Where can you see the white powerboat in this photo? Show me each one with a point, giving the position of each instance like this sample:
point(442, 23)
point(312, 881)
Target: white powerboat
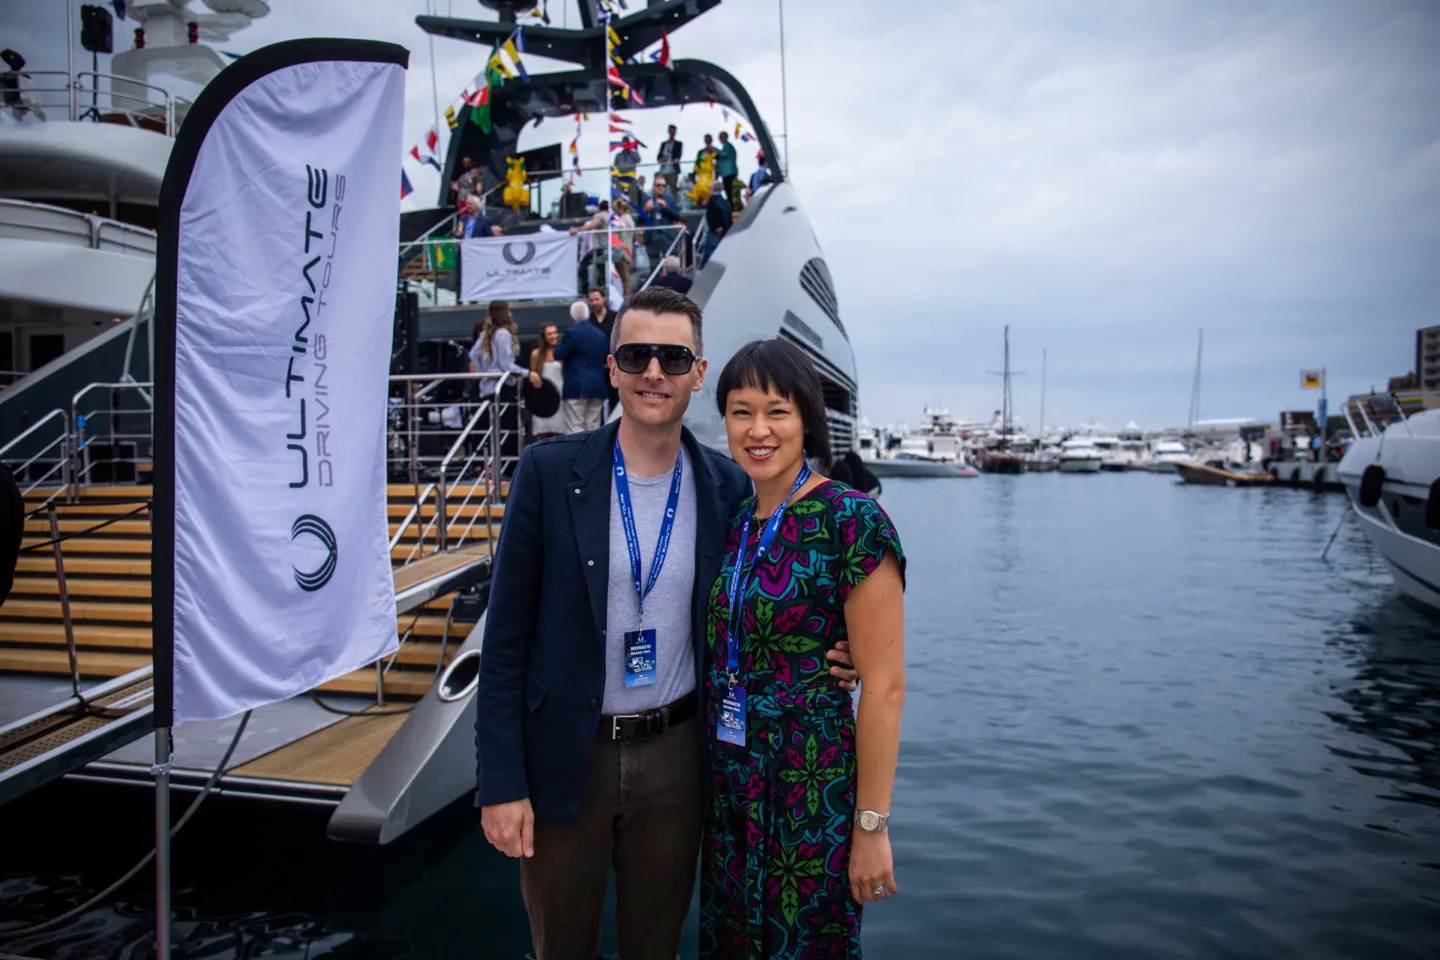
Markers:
point(1392, 476)
point(1164, 456)
point(1079, 456)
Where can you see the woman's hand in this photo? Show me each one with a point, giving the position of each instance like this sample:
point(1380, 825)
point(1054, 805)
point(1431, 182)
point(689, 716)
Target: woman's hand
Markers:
point(534, 379)
point(871, 866)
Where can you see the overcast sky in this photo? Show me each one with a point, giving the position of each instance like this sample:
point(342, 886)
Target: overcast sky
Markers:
point(1106, 177)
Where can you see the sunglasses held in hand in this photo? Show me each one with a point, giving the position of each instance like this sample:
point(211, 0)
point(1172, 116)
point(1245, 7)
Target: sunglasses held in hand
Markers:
point(675, 359)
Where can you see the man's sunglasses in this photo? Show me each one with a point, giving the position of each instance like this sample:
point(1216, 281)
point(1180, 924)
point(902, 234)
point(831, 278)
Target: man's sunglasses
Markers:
point(635, 357)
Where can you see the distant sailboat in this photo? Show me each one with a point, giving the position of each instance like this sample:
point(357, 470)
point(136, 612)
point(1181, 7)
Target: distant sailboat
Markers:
point(998, 457)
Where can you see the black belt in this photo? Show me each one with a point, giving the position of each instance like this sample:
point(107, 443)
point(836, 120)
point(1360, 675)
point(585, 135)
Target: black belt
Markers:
point(633, 726)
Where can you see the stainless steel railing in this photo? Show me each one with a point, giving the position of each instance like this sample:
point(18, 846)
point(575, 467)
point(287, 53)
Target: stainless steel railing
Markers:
point(27, 220)
point(51, 459)
point(123, 99)
point(106, 426)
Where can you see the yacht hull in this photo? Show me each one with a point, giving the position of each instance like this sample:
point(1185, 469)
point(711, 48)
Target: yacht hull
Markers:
point(919, 468)
point(1079, 465)
point(1396, 516)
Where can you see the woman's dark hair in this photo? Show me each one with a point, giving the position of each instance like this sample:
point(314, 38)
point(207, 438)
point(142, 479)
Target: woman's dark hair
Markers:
point(497, 318)
point(781, 366)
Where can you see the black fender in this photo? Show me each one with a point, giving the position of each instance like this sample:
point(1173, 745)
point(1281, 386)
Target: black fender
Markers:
point(1432, 507)
point(1372, 482)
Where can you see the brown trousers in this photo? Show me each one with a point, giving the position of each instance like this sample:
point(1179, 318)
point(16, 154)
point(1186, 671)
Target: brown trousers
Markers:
point(640, 815)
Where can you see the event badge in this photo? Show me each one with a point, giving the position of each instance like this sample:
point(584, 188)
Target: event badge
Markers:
point(731, 728)
point(639, 658)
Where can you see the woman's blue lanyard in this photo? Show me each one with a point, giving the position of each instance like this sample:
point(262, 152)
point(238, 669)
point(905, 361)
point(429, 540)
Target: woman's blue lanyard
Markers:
point(632, 537)
point(739, 580)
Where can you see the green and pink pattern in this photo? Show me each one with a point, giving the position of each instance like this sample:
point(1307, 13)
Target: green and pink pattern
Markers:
point(774, 873)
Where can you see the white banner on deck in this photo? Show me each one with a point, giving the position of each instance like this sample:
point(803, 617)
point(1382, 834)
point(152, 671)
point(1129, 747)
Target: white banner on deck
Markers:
point(535, 266)
point(284, 308)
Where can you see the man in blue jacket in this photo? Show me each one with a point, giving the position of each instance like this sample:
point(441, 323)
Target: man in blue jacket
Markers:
point(591, 751)
point(582, 351)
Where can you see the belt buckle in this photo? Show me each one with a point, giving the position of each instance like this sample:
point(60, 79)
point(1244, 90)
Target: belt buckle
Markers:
point(615, 722)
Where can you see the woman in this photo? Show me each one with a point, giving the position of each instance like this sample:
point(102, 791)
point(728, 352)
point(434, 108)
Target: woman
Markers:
point(795, 840)
point(543, 362)
point(494, 352)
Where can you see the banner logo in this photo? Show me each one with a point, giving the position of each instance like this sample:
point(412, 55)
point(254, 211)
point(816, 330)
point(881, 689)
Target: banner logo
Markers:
point(515, 261)
point(320, 530)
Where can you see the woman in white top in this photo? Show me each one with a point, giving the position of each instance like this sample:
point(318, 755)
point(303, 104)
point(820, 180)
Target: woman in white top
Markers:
point(543, 362)
point(494, 352)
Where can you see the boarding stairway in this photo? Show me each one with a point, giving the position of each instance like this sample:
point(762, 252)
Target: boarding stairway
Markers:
point(83, 613)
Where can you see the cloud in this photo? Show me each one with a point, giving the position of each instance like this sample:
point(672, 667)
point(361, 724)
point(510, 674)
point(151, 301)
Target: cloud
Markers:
point(1106, 178)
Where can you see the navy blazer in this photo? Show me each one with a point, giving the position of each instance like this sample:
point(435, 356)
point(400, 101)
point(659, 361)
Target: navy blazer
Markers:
point(581, 351)
point(542, 666)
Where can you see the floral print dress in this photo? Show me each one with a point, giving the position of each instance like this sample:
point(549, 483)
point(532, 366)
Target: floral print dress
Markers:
point(775, 858)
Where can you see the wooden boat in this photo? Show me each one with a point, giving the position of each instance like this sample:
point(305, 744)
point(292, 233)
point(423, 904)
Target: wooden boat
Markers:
point(1216, 473)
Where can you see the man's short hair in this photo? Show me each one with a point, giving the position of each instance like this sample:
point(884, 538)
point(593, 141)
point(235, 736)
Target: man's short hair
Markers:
point(672, 264)
point(671, 128)
point(660, 182)
point(658, 300)
point(579, 310)
point(594, 290)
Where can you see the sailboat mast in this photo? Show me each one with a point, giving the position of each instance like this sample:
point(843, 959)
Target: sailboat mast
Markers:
point(1044, 355)
point(1005, 400)
point(1195, 386)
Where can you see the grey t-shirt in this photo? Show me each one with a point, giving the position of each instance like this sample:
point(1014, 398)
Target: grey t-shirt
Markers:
point(667, 608)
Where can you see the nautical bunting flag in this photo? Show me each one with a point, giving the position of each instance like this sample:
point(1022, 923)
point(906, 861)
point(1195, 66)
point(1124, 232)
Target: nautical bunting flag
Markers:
point(616, 118)
point(513, 45)
point(405, 188)
point(434, 161)
point(432, 139)
point(1312, 379)
point(451, 117)
point(662, 56)
point(415, 152)
point(272, 569)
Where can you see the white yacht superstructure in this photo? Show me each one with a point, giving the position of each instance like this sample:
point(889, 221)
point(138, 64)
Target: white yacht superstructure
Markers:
point(1079, 455)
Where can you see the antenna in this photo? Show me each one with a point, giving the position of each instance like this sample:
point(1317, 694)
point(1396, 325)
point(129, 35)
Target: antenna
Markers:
point(1044, 356)
point(784, 97)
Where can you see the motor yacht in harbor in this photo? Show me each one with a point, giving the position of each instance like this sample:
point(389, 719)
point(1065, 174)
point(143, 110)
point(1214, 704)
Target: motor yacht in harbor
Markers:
point(80, 190)
point(1079, 455)
point(934, 450)
point(1392, 475)
point(1164, 456)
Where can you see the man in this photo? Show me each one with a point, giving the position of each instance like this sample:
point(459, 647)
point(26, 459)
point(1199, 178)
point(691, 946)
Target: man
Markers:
point(664, 211)
point(599, 310)
point(670, 153)
point(727, 167)
point(582, 351)
point(718, 218)
point(467, 184)
point(671, 277)
point(474, 223)
point(591, 751)
point(706, 151)
point(761, 176)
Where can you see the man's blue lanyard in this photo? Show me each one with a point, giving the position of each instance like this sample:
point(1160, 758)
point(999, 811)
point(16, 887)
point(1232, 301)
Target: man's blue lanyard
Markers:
point(739, 580)
point(627, 520)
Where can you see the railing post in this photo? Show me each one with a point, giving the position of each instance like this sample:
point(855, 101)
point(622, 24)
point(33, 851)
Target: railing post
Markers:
point(442, 503)
point(414, 438)
point(64, 602)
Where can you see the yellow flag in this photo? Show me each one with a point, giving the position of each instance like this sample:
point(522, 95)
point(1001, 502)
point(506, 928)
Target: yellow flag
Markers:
point(1312, 379)
point(498, 64)
point(614, 37)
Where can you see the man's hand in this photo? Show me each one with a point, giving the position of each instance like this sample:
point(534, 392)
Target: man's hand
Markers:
point(649, 206)
point(510, 827)
point(843, 667)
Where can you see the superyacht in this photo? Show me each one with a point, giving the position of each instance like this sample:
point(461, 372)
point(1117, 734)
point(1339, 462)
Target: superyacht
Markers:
point(83, 154)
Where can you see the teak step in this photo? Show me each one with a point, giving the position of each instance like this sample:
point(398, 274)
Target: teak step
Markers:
point(109, 492)
point(80, 587)
point(99, 509)
point(79, 610)
point(40, 527)
point(86, 635)
point(398, 683)
point(42, 562)
point(92, 545)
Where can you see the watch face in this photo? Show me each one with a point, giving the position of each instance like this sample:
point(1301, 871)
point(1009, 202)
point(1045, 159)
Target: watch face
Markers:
point(869, 821)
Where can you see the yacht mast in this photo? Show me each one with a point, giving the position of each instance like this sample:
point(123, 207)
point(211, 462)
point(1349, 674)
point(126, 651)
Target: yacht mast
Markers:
point(1005, 400)
point(1044, 355)
point(1195, 386)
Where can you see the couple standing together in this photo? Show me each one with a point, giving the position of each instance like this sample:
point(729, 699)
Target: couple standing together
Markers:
point(667, 659)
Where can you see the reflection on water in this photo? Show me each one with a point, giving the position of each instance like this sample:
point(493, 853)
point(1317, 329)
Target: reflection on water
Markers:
point(1393, 698)
point(1144, 721)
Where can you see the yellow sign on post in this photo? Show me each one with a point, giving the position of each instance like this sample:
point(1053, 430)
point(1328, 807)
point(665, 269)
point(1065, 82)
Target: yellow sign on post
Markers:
point(1312, 379)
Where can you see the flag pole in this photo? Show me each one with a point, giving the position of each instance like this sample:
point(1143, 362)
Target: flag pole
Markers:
point(1325, 419)
point(161, 770)
point(610, 197)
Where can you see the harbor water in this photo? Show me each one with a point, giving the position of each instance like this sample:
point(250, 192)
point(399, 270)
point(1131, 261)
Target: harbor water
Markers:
point(1144, 720)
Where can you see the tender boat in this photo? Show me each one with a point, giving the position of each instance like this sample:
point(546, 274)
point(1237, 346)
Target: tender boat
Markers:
point(1220, 473)
point(1392, 475)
